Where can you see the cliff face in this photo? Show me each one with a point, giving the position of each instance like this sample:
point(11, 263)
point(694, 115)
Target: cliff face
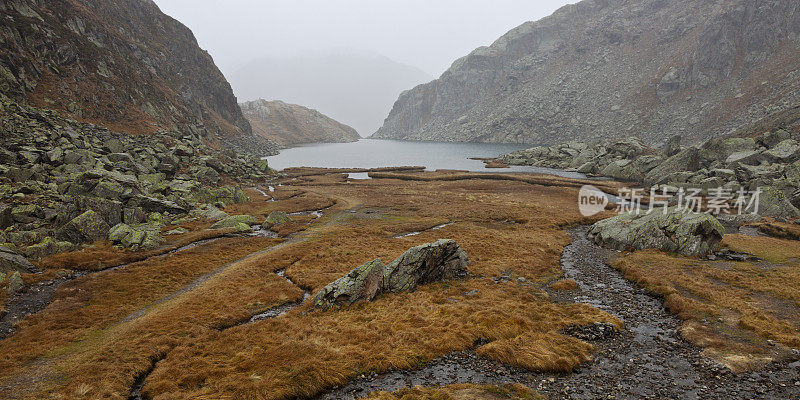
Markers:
point(611, 68)
point(122, 64)
point(290, 124)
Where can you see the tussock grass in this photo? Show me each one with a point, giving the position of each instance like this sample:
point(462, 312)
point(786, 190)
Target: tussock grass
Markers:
point(564, 284)
point(731, 308)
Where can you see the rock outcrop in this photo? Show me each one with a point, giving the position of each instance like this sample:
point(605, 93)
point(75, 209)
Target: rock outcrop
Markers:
point(769, 162)
point(609, 68)
point(686, 233)
point(64, 183)
point(123, 65)
point(426, 263)
point(290, 124)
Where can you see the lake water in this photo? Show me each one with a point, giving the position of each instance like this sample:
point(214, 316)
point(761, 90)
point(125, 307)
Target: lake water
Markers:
point(373, 153)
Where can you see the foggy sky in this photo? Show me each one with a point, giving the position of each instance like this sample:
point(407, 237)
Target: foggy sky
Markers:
point(428, 34)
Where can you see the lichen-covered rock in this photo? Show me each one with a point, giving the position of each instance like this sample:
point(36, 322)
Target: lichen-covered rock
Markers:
point(686, 233)
point(11, 261)
point(686, 160)
point(233, 221)
point(46, 247)
point(86, 227)
point(276, 218)
point(426, 263)
point(137, 237)
point(15, 283)
point(774, 203)
point(361, 284)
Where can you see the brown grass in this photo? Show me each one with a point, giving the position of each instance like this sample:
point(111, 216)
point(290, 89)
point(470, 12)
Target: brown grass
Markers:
point(102, 254)
point(779, 229)
point(459, 392)
point(564, 284)
point(104, 330)
point(731, 308)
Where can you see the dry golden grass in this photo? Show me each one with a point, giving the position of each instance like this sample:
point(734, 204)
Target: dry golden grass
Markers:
point(104, 330)
point(731, 308)
point(459, 392)
point(102, 254)
point(564, 284)
point(779, 229)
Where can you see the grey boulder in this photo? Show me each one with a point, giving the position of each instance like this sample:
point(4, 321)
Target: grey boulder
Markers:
point(685, 233)
point(423, 264)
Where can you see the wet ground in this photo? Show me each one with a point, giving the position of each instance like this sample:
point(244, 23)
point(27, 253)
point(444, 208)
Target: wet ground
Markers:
point(646, 359)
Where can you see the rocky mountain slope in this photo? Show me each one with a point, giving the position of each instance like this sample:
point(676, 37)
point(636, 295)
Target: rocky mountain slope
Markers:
point(613, 68)
point(123, 65)
point(290, 124)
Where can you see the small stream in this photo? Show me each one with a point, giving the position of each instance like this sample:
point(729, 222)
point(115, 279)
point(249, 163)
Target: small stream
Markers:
point(435, 228)
point(646, 359)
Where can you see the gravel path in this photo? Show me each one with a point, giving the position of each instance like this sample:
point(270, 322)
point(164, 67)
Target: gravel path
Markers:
point(647, 359)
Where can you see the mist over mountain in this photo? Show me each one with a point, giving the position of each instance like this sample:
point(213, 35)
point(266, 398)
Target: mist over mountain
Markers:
point(357, 89)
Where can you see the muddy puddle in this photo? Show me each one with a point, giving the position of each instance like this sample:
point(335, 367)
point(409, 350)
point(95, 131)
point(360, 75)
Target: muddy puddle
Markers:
point(647, 358)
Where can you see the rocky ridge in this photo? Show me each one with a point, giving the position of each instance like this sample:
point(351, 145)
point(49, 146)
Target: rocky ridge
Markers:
point(123, 65)
point(608, 68)
point(291, 124)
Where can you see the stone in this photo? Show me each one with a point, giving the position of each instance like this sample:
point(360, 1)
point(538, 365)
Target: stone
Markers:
point(784, 152)
point(233, 221)
point(420, 265)
point(26, 213)
point(45, 248)
point(136, 237)
point(86, 227)
point(673, 146)
point(153, 204)
point(211, 213)
point(682, 232)
point(11, 261)
point(276, 218)
point(361, 284)
point(177, 231)
point(686, 160)
point(133, 215)
point(426, 263)
point(205, 175)
point(15, 283)
point(748, 157)
point(775, 203)
point(108, 189)
point(771, 139)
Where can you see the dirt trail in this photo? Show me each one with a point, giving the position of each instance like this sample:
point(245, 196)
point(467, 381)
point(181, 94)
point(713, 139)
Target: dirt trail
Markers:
point(646, 359)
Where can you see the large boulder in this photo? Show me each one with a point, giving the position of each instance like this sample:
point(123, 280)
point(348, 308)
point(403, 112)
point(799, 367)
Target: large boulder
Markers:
point(361, 284)
point(426, 263)
point(86, 227)
point(234, 221)
point(682, 232)
point(137, 237)
point(784, 152)
point(686, 160)
point(276, 218)
point(773, 202)
point(10, 261)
